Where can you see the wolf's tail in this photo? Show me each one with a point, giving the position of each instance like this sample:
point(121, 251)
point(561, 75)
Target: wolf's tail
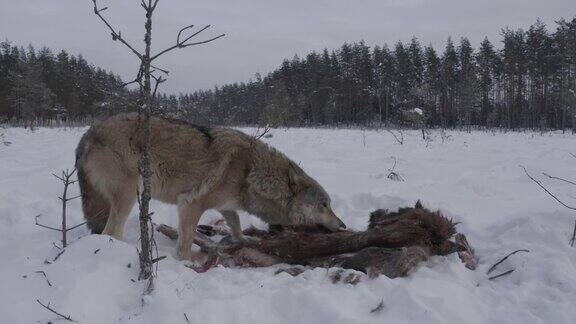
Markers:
point(94, 205)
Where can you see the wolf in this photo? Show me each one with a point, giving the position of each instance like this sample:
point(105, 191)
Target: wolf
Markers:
point(196, 168)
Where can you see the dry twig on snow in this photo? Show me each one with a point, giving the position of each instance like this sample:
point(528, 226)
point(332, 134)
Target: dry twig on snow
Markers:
point(493, 267)
point(65, 317)
point(555, 197)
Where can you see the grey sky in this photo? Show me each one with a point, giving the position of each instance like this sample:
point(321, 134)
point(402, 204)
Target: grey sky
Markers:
point(260, 33)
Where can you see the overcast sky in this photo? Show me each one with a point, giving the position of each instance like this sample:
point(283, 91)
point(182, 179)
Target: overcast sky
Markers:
point(260, 33)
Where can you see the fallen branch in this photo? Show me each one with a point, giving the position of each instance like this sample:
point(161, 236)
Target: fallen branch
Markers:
point(45, 277)
point(502, 274)
point(504, 259)
point(66, 317)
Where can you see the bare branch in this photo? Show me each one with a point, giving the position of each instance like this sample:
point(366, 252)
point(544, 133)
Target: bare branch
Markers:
point(42, 225)
point(261, 133)
point(115, 35)
point(400, 139)
point(71, 173)
point(58, 177)
point(546, 190)
point(182, 43)
point(75, 226)
point(66, 317)
point(160, 258)
point(181, 31)
point(558, 178)
point(158, 81)
point(191, 36)
point(160, 69)
point(154, 5)
point(204, 41)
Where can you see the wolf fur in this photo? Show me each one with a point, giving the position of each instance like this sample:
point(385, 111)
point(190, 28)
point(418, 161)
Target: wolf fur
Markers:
point(197, 169)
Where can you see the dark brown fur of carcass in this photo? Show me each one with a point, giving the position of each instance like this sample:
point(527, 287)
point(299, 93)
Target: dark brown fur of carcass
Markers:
point(393, 244)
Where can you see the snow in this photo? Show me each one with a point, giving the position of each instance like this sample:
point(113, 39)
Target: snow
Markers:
point(474, 178)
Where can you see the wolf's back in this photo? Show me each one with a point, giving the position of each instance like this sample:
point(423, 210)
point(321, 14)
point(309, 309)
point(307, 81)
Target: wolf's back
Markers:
point(95, 207)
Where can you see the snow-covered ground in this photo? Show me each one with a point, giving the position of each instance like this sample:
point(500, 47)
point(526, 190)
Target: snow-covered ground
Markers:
point(474, 178)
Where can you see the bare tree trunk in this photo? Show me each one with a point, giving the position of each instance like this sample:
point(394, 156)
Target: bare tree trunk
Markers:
point(146, 106)
point(145, 114)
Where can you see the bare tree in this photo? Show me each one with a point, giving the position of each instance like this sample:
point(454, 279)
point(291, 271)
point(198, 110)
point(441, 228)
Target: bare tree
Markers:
point(66, 179)
point(144, 77)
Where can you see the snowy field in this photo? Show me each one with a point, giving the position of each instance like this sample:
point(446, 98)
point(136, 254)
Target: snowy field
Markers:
point(473, 178)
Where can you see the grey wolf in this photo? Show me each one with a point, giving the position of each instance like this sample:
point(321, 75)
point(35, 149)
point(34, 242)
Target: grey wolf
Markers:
point(195, 168)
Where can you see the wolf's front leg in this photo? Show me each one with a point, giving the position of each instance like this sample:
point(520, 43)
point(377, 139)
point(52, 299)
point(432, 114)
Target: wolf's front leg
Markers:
point(188, 217)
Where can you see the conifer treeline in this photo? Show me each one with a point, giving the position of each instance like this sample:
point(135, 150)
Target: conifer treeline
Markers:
point(38, 85)
point(529, 81)
point(526, 81)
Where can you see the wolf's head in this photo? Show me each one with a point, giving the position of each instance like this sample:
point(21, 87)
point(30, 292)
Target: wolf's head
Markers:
point(310, 203)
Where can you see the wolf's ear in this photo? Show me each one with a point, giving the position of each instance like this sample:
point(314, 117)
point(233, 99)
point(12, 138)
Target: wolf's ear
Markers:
point(294, 178)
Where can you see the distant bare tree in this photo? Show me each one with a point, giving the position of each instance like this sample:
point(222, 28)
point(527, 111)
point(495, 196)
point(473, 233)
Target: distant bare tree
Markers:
point(146, 106)
point(3, 140)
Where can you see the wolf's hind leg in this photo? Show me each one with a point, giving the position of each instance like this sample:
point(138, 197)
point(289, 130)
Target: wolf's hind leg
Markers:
point(188, 216)
point(233, 220)
point(121, 204)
